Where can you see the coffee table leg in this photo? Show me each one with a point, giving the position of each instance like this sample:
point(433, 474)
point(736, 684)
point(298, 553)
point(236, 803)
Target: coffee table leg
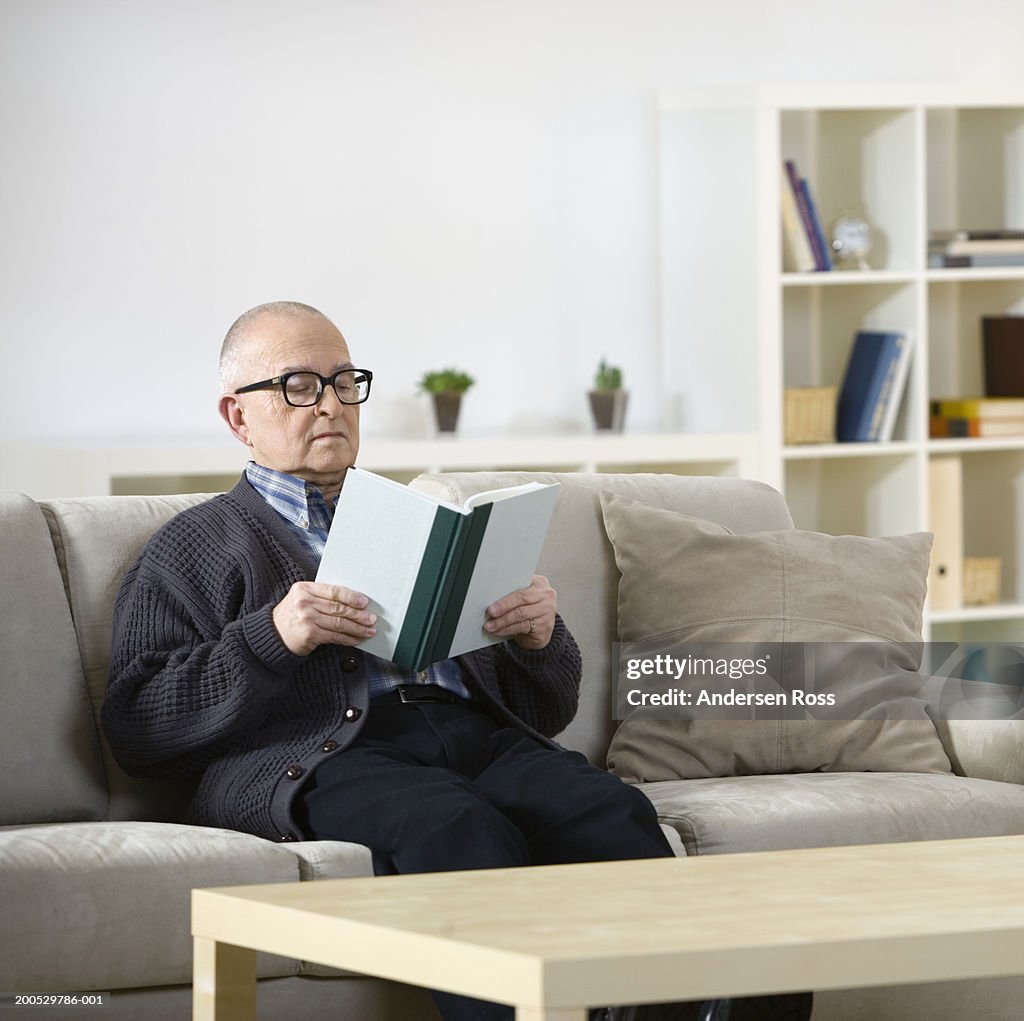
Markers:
point(223, 981)
point(562, 1014)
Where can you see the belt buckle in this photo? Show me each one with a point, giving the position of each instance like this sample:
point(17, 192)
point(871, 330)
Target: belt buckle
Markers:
point(408, 693)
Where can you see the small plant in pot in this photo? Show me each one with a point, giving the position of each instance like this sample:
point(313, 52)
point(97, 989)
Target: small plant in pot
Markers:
point(446, 387)
point(608, 399)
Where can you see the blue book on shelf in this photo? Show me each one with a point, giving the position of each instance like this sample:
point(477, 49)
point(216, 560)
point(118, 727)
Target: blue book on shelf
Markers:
point(822, 249)
point(870, 384)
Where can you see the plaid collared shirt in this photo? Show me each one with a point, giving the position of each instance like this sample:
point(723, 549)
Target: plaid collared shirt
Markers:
point(309, 516)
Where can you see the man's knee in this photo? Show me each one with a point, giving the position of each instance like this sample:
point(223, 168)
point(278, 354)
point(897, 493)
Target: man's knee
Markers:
point(458, 830)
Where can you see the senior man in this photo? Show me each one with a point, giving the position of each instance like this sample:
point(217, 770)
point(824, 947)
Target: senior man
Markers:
point(231, 666)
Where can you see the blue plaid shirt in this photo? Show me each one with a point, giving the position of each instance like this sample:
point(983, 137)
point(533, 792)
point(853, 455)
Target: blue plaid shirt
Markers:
point(309, 516)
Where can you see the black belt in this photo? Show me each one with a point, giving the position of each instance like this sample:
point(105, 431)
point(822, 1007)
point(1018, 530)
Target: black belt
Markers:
point(413, 693)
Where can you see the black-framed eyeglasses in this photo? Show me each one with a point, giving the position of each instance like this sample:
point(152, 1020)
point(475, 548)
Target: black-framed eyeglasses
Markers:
point(303, 389)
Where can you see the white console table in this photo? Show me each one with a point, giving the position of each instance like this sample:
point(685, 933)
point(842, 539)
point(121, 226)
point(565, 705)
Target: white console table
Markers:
point(123, 467)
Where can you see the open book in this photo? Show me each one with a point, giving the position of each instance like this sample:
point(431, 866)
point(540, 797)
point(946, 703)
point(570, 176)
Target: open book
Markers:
point(429, 568)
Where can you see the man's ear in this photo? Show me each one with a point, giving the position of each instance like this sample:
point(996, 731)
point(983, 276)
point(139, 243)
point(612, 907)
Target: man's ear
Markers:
point(232, 412)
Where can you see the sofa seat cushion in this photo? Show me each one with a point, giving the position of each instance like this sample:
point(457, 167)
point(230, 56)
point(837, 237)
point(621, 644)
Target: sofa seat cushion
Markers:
point(108, 905)
point(767, 813)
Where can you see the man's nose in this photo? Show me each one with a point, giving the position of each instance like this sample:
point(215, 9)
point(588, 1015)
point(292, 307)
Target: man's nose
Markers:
point(329, 403)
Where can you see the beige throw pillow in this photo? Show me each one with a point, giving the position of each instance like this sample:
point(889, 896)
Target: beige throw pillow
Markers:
point(685, 581)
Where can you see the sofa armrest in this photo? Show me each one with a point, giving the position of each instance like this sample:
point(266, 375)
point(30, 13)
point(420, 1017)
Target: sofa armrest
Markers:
point(986, 749)
point(331, 859)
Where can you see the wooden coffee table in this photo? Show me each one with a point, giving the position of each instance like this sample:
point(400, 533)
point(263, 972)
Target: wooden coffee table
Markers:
point(553, 940)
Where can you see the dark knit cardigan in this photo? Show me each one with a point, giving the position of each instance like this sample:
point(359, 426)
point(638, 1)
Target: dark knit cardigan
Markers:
point(201, 685)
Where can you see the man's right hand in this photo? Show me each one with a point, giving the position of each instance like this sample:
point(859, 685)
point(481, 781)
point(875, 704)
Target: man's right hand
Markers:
point(314, 614)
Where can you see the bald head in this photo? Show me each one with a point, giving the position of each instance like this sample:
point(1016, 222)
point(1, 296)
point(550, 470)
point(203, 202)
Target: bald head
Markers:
point(235, 349)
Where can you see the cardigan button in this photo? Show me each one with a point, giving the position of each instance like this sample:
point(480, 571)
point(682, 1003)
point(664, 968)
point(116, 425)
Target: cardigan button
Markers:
point(285, 838)
point(294, 771)
point(350, 664)
point(328, 746)
point(353, 712)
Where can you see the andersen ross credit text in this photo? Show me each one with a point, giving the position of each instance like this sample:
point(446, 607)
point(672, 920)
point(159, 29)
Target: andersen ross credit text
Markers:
point(677, 668)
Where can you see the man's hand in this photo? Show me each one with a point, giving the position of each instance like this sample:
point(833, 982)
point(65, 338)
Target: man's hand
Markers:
point(314, 614)
point(527, 616)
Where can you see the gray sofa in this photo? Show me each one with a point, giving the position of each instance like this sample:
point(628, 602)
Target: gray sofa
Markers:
point(95, 872)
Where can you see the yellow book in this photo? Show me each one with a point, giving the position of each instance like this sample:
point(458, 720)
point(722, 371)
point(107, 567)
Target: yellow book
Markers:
point(978, 407)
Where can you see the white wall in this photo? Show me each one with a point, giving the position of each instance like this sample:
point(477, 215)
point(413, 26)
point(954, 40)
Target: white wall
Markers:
point(453, 181)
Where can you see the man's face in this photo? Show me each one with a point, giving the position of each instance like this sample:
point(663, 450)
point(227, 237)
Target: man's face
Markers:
point(316, 443)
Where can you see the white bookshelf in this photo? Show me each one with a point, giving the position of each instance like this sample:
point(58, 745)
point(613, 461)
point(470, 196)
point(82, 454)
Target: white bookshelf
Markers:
point(909, 160)
point(120, 467)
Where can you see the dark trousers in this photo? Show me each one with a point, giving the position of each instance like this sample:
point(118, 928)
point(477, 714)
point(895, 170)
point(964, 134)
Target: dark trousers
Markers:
point(438, 787)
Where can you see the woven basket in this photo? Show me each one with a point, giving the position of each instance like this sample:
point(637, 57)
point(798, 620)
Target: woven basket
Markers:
point(981, 580)
point(809, 414)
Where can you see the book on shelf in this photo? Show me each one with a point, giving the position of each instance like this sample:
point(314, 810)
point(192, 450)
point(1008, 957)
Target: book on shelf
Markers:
point(797, 256)
point(945, 427)
point(940, 260)
point(977, 234)
point(430, 568)
point(987, 246)
point(1002, 339)
point(873, 386)
point(976, 407)
point(808, 216)
point(982, 248)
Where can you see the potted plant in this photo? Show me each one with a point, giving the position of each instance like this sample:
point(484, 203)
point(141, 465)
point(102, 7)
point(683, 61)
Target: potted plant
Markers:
point(608, 399)
point(446, 388)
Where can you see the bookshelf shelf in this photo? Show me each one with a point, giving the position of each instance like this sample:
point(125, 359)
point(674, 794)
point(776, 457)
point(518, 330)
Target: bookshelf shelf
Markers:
point(910, 160)
point(993, 612)
point(811, 451)
point(974, 274)
point(850, 278)
point(978, 445)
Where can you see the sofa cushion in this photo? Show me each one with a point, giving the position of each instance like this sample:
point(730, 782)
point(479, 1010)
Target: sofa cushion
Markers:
point(855, 601)
point(96, 540)
point(52, 768)
point(107, 905)
point(989, 749)
point(577, 558)
point(768, 813)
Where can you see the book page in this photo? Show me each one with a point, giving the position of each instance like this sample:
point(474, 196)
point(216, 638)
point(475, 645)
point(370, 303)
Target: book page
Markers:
point(493, 495)
point(508, 557)
point(375, 546)
point(409, 493)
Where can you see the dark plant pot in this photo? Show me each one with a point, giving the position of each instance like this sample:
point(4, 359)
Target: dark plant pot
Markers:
point(609, 409)
point(446, 411)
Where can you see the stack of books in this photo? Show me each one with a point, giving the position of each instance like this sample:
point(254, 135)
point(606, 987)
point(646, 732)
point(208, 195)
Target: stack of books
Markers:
point(804, 245)
point(976, 416)
point(963, 248)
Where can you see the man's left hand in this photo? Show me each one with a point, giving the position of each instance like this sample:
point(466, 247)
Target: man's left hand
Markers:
point(526, 616)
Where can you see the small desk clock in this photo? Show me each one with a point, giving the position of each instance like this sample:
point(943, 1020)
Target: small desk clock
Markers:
point(851, 241)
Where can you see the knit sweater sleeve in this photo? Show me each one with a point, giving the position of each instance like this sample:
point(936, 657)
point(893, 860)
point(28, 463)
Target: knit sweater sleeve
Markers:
point(195, 661)
point(540, 688)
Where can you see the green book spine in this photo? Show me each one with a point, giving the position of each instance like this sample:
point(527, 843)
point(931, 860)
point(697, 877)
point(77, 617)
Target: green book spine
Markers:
point(449, 606)
point(442, 544)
